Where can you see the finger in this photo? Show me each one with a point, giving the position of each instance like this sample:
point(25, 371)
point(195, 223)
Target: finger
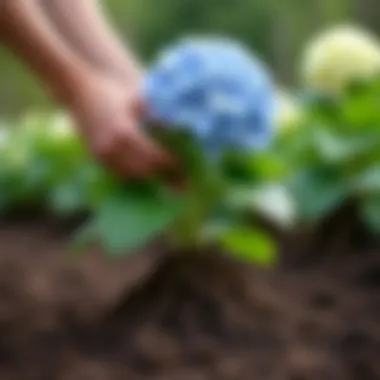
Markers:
point(165, 166)
point(122, 161)
point(135, 162)
point(144, 166)
point(139, 109)
point(155, 154)
point(131, 170)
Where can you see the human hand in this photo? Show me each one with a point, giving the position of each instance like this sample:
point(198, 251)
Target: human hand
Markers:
point(108, 114)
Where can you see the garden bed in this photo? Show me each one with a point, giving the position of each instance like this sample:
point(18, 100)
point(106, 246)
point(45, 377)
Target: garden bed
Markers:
point(149, 316)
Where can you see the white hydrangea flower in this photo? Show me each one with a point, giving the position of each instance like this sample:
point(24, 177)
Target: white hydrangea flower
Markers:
point(4, 136)
point(55, 125)
point(288, 112)
point(17, 155)
point(61, 126)
point(32, 121)
point(339, 56)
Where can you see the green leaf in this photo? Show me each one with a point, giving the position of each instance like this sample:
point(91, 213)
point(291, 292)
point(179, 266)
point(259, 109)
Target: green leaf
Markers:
point(184, 146)
point(269, 166)
point(335, 148)
point(323, 107)
point(215, 227)
point(360, 107)
point(317, 193)
point(370, 211)
point(275, 203)
point(359, 112)
point(358, 87)
point(369, 181)
point(128, 219)
point(250, 244)
point(241, 197)
point(67, 198)
point(237, 168)
point(272, 200)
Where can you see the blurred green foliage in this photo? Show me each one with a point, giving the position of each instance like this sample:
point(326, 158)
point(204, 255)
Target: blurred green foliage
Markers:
point(329, 156)
point(46, 167)
point(334, 154)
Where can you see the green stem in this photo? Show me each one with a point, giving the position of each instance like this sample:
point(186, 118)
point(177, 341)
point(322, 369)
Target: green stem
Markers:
point(188, 228)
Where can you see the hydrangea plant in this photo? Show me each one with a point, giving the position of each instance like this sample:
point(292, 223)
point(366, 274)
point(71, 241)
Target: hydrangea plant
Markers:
point(211, 103)
point(339, 56)
point(334, 154)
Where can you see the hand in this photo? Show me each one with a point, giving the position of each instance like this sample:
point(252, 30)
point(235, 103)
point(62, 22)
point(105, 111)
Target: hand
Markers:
point(108, 114)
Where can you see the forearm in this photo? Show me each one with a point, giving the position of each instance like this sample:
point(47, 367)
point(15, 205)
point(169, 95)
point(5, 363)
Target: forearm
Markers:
point(26, 31)
point(83, 24)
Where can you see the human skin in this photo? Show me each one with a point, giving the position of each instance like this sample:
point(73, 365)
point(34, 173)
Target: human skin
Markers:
point(71, 48)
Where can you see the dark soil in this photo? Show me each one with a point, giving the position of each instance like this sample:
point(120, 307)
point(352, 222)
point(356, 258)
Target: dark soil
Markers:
point(155, 317)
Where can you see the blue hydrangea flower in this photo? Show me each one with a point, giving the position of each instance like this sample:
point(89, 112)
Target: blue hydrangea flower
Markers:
point(215, 89)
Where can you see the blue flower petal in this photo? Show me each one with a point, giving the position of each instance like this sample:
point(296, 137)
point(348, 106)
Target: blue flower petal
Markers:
point(215, 89)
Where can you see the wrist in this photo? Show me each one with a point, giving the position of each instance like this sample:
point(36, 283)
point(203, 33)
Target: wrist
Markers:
point(66, 87)
point(125, 71)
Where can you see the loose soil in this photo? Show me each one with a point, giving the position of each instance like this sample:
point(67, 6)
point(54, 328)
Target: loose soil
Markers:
point(158, 317)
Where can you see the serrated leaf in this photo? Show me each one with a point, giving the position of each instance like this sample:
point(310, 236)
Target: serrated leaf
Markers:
point(128, 219)
point(250, 244)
